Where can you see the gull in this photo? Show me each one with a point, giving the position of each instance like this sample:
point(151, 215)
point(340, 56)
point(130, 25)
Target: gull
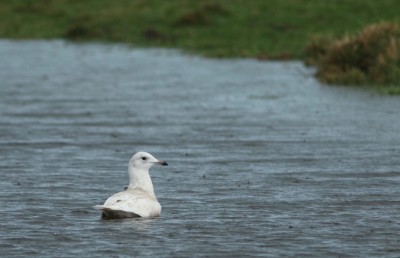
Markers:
point(138, 200)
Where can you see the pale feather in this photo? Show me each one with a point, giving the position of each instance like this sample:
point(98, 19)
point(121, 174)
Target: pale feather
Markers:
point(134, 200)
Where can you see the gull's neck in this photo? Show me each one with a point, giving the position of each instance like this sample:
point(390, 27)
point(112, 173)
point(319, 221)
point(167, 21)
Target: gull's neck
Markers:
point(139, 177)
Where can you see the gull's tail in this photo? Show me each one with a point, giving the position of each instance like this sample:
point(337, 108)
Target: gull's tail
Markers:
point(99, 207)
point(107, 213)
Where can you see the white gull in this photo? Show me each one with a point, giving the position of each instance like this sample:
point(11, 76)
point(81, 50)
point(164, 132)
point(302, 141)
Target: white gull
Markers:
point(138, 200)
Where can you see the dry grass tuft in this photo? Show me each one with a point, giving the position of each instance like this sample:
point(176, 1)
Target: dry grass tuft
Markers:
point(371, 57)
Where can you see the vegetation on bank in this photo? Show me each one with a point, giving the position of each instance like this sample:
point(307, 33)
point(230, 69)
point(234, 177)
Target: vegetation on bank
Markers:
point(370, 57)
point(264, 29)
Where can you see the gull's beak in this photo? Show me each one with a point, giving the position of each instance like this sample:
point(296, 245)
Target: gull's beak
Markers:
point(162, 163)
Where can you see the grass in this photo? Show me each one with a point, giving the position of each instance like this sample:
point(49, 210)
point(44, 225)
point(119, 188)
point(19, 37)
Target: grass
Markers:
point(218, 28)
point(370, 57)
point(263, 29)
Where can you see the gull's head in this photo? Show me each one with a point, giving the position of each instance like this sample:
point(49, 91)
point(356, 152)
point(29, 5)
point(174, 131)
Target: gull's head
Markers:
point(145, 160)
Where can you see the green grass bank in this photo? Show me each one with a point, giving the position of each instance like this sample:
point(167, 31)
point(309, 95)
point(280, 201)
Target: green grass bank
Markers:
point(217, 28)
point(264, 29)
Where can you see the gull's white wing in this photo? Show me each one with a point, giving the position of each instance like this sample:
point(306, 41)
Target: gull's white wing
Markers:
point(133, 200)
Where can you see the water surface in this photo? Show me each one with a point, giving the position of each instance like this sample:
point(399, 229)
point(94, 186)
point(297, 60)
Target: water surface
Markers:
point(264, 160)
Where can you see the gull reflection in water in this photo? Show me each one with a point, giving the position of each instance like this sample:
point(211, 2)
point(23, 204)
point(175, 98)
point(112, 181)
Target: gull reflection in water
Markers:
point(144, 224)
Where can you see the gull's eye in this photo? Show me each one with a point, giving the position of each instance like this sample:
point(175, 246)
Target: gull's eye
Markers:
point(144, 158)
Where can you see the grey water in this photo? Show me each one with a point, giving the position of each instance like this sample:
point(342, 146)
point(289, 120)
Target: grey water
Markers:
point(263, 159)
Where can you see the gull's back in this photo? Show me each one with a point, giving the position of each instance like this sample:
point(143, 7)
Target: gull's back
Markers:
point(133, 202)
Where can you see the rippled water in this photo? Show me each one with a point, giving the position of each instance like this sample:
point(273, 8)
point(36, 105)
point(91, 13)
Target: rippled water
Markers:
point(264, 160)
